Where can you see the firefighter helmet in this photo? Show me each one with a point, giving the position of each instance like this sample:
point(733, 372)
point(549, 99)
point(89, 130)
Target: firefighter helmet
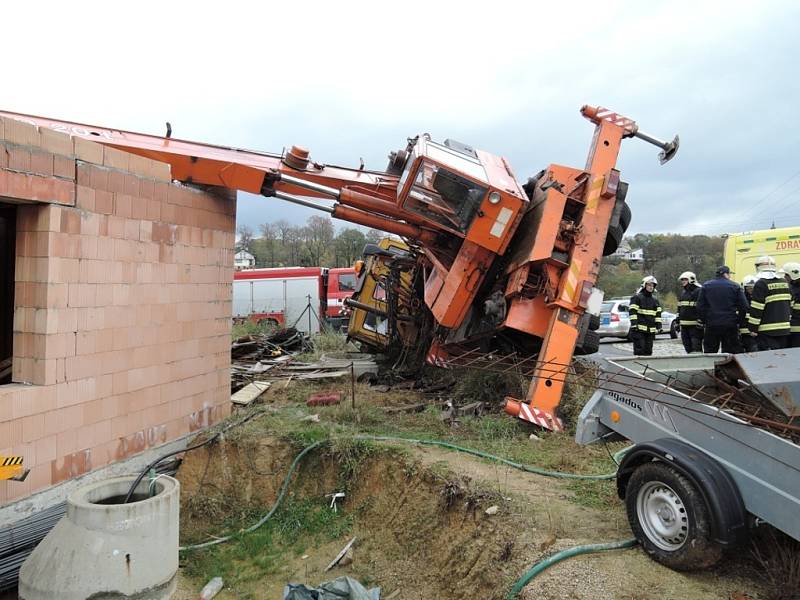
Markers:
point(688, 275)
point(649, 279)
point(792, 270)
point(749, 280)
point(765, 263)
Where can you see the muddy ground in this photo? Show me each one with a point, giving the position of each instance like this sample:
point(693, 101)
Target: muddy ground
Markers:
point(419, 516)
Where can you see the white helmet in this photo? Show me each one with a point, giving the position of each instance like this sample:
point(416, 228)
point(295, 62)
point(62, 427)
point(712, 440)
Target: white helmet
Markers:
point(688, 275)
point(750, 280)
point(649, 279)
point(765, 263)
point(792, 270)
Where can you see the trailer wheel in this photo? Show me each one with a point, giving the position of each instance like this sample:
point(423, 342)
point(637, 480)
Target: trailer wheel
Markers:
point(670, 519)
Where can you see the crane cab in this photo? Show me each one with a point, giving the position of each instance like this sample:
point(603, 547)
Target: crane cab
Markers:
point(465, 192)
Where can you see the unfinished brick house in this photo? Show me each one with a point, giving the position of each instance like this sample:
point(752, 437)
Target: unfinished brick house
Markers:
point(115, 305)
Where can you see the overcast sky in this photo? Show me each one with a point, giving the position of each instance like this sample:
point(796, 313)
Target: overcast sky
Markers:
point(355, 79)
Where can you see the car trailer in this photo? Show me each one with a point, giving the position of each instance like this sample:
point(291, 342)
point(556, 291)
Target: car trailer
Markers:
point(715, 449)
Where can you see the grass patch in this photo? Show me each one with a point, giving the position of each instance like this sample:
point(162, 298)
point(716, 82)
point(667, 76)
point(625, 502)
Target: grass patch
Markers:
point(249, 328)
point(305, 520)
point(298, 525)
point(496, 434)
point(350, 456)
point(500, 435)
point(600, 495)
point(483, 386)
point(778, 559)
point(328, 343)
point(577, 393)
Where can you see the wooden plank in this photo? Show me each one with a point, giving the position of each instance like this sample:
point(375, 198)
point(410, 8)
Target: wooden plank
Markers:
point(341, 554)
point(250, 392)
point(323, 375)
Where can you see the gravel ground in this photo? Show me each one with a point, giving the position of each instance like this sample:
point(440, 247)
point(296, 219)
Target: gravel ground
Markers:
point(662, 347)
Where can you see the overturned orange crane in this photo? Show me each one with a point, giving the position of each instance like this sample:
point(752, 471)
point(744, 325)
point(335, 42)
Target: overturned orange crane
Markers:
point(502, 267)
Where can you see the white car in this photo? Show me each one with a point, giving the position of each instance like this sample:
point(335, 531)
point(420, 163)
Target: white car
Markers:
point(615, 320)
point(669, 323)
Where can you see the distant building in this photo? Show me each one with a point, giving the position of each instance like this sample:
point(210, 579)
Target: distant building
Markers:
point(625, 253)
point(635, 256)
point(244, 260)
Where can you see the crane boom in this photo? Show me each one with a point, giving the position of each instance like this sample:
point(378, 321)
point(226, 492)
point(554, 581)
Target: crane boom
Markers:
point(491, 265)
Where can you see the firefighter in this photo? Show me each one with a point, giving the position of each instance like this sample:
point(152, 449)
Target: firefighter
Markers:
point(746, 338)
point(720, 305)
point(793, 276)
point(645, 314)
point(691, 329)
point(770, 307)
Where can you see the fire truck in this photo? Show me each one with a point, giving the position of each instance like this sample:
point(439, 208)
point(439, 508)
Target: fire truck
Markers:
point(302, 297)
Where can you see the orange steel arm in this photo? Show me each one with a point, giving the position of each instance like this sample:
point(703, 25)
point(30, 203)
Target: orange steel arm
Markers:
point(369, 196)
point(558, 346)
point(206, 164)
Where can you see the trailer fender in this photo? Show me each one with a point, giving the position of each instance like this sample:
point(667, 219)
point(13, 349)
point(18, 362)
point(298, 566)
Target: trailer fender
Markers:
point(719, 491)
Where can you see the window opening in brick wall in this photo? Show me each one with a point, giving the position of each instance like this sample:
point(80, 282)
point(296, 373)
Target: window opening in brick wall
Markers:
point(8, 231)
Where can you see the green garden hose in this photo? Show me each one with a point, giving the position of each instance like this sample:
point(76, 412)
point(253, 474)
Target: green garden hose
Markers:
point(559, 556)
point(479, 453)
point(382, 438)
point(522, 581)
point(265, 518)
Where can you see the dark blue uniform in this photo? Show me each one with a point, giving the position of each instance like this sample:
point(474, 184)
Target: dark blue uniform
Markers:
point(719, 306)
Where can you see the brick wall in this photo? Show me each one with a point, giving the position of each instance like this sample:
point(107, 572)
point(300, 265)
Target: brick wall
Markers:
point(122, 307)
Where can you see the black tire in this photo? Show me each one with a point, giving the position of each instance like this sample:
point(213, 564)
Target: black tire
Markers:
point(613, 240)
point(670, 519)
point(673, 330)
point(594, 322)
point(589, 345)
point(625, 218)
point(616, 231)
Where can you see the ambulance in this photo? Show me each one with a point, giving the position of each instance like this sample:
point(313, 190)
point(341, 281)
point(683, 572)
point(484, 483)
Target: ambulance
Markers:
point(742, 249)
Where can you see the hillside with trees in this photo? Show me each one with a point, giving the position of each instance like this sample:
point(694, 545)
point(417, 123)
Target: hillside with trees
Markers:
point(317, 243)
point(666, 256)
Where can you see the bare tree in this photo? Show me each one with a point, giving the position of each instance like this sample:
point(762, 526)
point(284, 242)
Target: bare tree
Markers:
point(374, 236)
point(269, 235)
point(293, 245)
point(245, 238)
point(318, 234)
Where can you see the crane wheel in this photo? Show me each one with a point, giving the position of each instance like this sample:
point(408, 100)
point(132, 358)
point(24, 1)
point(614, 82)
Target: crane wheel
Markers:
point(589, 345)
point(617, 232)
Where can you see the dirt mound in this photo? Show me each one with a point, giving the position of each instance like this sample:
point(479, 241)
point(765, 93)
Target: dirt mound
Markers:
point(419, 516)
point(420, 528)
